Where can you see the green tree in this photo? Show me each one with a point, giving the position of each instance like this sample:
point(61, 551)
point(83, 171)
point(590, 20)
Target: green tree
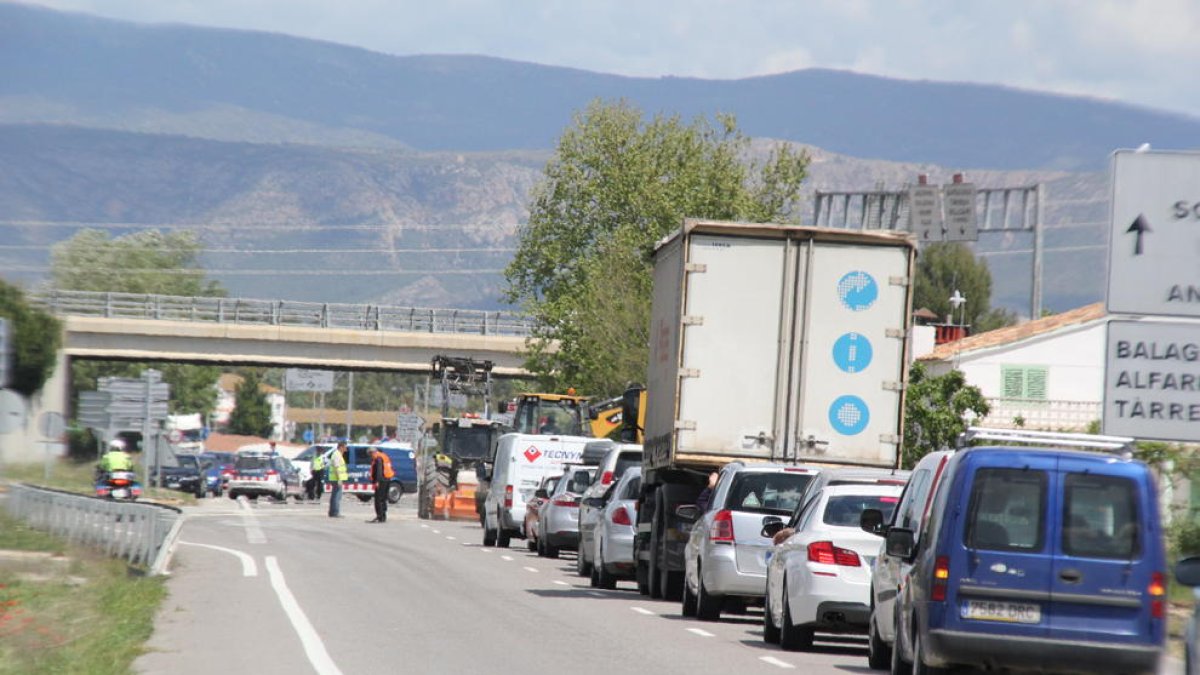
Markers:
point(616, 184)
point(35, 339)
point(252, 413)
point(934, 410)
point(143, 262)
point(945, 267)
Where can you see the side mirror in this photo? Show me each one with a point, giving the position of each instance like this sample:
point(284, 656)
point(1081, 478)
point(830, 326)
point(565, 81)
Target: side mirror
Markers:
point(687, 512)
point(900, 543)
point(871, 521)
point(771, 525)
point(1187, 571)
point(594, 502)
point(541, 493)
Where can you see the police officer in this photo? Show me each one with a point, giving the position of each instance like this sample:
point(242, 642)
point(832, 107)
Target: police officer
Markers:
point(337, 475)
point(381, 475)
point(316, 484)
point(116, 459)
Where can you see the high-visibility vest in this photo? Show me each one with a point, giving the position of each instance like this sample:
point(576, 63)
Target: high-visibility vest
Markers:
point(318, 463)
point(337, 468)
point(388, 474)
point(116, 460)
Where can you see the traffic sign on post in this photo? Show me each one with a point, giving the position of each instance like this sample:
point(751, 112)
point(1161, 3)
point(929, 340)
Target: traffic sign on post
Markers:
point(925, 213)
point(1154, 234)
point(959, 202)
point(301, 379)
point(1151, 383)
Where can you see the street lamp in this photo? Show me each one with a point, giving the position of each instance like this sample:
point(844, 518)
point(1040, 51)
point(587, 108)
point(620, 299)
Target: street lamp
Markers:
point(956, 302)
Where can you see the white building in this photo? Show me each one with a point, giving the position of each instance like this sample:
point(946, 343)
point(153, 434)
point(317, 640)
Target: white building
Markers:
point(1048, 373)
point(227, 386)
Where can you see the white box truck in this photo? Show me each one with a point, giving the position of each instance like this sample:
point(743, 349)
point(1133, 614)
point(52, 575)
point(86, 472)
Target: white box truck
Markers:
point(772, 343)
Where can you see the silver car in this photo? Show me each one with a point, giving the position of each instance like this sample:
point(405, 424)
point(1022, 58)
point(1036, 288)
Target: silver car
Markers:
point(613, 465)
point(1187, 572)
point(614, 530)
point(726, 555)
point(558, 517)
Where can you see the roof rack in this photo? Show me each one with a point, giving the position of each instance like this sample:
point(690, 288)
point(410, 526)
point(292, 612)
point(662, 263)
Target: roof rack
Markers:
point(1118, 445)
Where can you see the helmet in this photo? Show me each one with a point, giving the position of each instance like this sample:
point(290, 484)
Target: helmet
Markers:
point(116, 444)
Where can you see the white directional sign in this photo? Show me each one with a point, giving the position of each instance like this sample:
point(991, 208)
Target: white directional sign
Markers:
point(300, 379)
point(1154, 239)
point(1152, 380)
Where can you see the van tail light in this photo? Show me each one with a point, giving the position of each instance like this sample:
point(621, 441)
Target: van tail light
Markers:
point(606, 478)
point(508, 496)
point(621, 517)
point(941, 575)
point(825, 553)
point(272, 472)
point(1157, 591)
point(567, 500)
point(722, 527)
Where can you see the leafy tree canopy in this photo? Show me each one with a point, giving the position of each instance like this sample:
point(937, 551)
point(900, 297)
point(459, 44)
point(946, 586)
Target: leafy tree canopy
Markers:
point(35, 338)
point(934, 410)
point(617, 184)
point(252, 414)
point(944, 267)
point(143, 262)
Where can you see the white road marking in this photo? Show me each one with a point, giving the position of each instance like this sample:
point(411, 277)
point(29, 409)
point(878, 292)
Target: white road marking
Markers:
point(486, 550)
point(436, 531)
point(249, 569)
point(309, 638)
point(701, 632)
point(254, 533)
point(642, 610)
point(531, 569)
point(775, 662)
point(424, 526)
point(506, 557)
point(560, 582)
point(598, 594)
point(451, 538)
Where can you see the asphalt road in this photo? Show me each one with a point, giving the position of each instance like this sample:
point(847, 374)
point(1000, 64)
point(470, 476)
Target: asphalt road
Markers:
point(279, 588)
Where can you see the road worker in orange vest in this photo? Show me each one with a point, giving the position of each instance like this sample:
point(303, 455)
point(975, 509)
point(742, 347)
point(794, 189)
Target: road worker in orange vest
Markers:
point(381, 475)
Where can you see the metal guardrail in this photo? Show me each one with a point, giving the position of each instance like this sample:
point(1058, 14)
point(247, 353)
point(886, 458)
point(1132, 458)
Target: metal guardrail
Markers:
point(282, 313)
point(140, 533)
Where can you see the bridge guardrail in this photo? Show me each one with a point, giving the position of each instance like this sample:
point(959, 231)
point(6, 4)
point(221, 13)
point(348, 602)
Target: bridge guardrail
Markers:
point(140, 533)
point(282, 313)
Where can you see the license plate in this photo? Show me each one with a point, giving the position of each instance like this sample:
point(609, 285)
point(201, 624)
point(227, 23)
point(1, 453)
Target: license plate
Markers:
point(120, 493)
point(173, 485)
point(1008, 612)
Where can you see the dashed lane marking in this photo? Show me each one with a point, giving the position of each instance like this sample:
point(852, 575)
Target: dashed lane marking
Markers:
point(560, 582)
point(775, 662)
point(436, 531)
point(531, 569)
point(506, 557)
point(642, 610)
point(598, 594)
point(701, 632)
point(451, 538)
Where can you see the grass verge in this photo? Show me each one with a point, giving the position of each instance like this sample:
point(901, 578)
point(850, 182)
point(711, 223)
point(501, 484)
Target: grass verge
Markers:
point(77, 477)
point(75, 612)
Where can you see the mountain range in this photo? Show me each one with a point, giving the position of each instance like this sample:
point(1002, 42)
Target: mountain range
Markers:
point(404, 179)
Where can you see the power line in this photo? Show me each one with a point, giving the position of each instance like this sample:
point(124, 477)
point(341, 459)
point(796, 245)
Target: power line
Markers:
point(282, 227)
point(262, 272)
point(1057, 249)
point(204, 249)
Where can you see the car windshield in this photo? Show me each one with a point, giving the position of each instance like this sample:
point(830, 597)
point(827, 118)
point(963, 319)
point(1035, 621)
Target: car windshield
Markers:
point(624, 461)
point(763, 492)
point(473, 442)
point(188, 461)
point(846, 510)
point(580, 480)
point(632, 488)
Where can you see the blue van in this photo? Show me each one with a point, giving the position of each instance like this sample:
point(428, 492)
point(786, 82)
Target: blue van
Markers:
point(1046, 559)
point(358, 469)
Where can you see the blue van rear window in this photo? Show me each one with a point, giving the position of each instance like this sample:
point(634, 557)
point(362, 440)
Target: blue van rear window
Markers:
point(1100, 518)
point(1007, 510)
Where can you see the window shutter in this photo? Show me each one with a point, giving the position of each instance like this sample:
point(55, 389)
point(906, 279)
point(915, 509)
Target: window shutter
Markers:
point(1035, 384)
point(1014, 382)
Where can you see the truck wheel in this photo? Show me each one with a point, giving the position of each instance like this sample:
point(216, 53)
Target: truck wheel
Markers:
point(581, 567)
point(708, 606)
point(551, 551)
point(395, 492)
point(642, 575)
point(503, 537)
point(489, 536)
point(653, 575)
point(918, 665)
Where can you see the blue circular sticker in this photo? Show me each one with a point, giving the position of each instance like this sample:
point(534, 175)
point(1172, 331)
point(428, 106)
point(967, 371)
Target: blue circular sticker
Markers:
point(849, 415)
point(857, 290)
point(852, 352)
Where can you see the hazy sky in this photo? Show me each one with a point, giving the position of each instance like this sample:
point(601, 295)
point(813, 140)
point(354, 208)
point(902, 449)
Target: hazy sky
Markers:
point(1145, 52)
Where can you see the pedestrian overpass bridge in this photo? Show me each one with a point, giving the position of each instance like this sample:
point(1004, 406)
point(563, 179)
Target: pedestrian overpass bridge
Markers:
point(135, 327)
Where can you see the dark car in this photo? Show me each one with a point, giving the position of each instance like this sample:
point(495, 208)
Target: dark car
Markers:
point(217, 467)
point(183, 473)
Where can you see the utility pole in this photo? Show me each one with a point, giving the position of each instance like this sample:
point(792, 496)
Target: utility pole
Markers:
point(349, 406)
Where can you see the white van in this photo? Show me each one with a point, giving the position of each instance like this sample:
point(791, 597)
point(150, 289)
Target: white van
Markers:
point(522, 460)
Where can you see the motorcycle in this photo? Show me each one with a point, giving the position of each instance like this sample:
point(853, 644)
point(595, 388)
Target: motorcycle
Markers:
point(119, 485)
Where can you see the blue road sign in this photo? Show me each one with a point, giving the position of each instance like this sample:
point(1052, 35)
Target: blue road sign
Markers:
point(849, 415)
point(852, 352)
point(857, 290)
point(308, 436)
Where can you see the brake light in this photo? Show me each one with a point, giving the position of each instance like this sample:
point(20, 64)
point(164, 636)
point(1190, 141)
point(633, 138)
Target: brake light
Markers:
point(794, 470)
point(621, 517)
point(606, 478)
point(272, 472)
point(508, 494)
point(566, 500)
point(826, 553)
point(889, 500)
point(941, 574)
point(120, 481)
point(722, 527)
point(1157, 589)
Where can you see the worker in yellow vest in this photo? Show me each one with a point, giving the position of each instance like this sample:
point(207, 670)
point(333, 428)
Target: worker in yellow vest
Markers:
point(337, 475)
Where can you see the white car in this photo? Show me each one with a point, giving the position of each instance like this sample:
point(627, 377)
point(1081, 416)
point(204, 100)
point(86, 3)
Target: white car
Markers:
point(819, 578)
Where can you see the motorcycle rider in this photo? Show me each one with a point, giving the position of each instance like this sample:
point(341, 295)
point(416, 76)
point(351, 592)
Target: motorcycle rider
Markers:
point(116, 459)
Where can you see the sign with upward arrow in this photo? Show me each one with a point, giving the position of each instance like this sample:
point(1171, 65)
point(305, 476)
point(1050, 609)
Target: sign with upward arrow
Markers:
point(1141, 227)
point(1156, 199)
